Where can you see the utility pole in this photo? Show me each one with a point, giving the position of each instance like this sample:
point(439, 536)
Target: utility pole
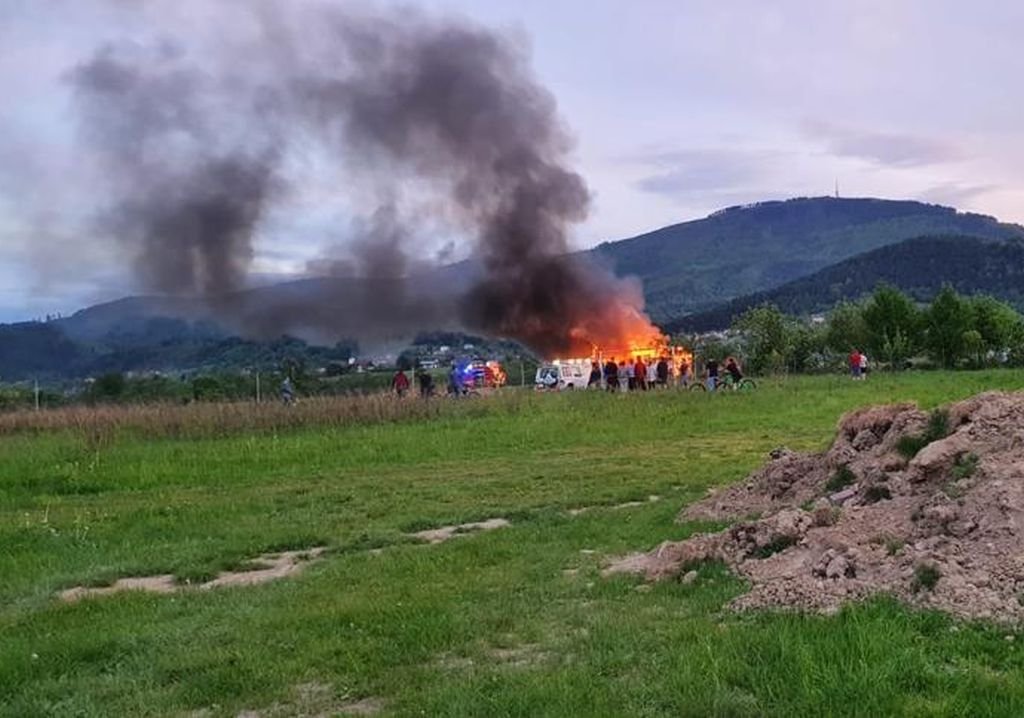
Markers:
point(37, 394)
point(257, 387)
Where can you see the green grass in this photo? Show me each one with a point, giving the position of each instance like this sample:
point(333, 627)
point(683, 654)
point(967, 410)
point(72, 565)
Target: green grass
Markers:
point(429, 628)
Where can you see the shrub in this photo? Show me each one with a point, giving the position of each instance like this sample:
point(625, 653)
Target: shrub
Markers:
point(965, 466)
point(926, 576)
point(876, 493)
point(843, 477)
point(777, 544)
point(893, 546)
point(938, 428)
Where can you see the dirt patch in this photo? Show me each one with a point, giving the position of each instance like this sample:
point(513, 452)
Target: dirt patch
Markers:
point(926, 507)
point(164, 583)
point(316, 700)
point(364, 707)
point(444, 533)
point(614, 507)
point(271, 567)
point(267, 567)
point(523, 656)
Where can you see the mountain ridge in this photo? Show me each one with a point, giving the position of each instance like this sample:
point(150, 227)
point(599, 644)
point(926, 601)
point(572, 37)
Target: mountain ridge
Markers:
point(685, 268)
point(920, 267)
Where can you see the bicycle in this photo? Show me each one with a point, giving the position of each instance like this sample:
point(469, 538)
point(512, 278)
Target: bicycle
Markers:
point(726, 383)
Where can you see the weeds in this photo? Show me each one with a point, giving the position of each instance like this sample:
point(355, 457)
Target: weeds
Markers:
point(777, 544)
point(926, 576)
point(953, 490)
point(938, 428)
point(875, 493)
point(965, 466)
point(843, 477)
point(893, 546)
point(100, 425)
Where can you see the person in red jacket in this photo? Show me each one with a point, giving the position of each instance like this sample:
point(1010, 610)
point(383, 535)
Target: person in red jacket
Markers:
point(854, 361)
point(400, 383)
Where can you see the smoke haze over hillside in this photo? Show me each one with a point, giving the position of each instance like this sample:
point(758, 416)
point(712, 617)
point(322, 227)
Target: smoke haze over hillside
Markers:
point(425, 115)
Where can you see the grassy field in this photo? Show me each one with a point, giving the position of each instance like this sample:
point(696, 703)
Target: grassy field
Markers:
point(515, 621)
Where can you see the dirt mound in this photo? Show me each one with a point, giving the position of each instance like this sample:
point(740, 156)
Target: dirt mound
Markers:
point(926, 507)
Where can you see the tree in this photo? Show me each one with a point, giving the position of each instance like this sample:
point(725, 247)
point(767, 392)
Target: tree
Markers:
point(108, 386)
point(892, 323)
point(996, 322)
point(974, 347)
point(806, 346)
point(846, 328)
point(947, 320)
point(767, 337)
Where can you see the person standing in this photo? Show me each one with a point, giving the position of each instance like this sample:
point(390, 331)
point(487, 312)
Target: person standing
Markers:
point(631, 376)
point(400, 383)
point(684, 374)
point(662, 372)
point(854, 362)
point(640, 372)
point(611, 375)
point(595, 376)
point(287, 392)
point(454, 383)
point(862, 360)
point(426, 383)
point(711, 373)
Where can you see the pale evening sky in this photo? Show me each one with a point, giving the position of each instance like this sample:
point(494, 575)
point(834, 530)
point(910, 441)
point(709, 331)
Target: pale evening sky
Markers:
point(678, 109)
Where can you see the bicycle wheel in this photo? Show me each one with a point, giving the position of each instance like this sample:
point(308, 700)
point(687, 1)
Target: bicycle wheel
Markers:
point(746, 385)
point(698, 386)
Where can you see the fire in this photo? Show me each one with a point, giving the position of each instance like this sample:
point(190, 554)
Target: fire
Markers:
point(627, 332)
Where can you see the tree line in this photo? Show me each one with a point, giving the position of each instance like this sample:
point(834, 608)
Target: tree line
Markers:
point(952, 331)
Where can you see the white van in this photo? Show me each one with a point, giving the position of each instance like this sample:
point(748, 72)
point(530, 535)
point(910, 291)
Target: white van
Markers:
point(562, 375)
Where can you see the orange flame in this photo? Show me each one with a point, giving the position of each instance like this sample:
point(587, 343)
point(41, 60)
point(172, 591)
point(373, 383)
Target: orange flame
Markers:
point(618, 330)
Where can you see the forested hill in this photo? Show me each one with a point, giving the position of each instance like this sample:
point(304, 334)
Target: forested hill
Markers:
point(737, 251)
point(918, 266)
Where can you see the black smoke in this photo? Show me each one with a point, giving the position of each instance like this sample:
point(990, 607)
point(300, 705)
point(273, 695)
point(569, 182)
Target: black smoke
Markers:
point(426, 115)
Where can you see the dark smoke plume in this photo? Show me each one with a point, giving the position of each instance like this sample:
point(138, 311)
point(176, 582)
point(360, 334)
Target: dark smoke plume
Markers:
point(190, 198)
point(412, 106)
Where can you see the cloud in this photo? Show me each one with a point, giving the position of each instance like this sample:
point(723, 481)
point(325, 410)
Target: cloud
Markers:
point(704, 170)
point(882, 148)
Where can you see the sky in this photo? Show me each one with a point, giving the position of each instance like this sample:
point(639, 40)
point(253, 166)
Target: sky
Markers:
point(677, 109)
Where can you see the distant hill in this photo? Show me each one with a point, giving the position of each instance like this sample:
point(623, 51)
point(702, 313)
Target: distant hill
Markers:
point(297, 305)
point(737, 251)
point(685, 268)
point(917, 266)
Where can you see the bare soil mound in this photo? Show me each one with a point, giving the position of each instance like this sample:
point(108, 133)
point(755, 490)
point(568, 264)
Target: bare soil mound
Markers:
point(926, 507)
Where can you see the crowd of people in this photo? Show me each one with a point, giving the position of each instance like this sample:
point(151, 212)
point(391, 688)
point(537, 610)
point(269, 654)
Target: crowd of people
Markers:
point(614, 376)
point(638, 375)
